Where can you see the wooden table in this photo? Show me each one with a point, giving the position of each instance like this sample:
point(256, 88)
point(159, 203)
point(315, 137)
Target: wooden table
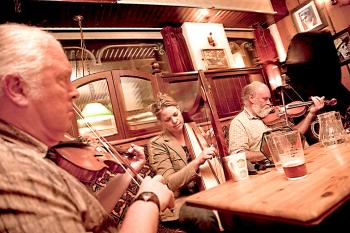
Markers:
point(271, 196)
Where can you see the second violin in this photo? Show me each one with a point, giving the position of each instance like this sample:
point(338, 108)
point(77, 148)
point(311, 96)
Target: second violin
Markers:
point(293, 109)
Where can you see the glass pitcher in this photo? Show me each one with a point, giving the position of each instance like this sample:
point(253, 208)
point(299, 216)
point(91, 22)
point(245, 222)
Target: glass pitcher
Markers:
point(331, 130)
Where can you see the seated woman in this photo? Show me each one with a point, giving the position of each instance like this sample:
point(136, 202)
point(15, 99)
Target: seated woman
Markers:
point(169, 157)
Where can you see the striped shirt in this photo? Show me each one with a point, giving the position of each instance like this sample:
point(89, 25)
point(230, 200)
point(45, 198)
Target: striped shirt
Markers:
point(38, 196)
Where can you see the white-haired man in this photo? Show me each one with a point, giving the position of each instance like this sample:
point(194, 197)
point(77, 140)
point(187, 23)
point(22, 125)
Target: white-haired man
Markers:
point(36, 195)
point(247, 128)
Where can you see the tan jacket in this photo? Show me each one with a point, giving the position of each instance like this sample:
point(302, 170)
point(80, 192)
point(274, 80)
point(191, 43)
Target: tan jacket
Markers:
point(168, 159)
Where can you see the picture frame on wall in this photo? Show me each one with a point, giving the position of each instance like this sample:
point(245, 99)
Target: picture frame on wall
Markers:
point(214, 58)
point(307, 17)
point(342, 45)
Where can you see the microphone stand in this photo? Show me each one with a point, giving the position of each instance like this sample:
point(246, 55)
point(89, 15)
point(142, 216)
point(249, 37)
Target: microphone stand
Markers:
point(284, 105)
point(282, 90)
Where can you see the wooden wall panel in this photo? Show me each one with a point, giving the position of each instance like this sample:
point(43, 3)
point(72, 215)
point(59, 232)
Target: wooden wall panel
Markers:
point(227, 94)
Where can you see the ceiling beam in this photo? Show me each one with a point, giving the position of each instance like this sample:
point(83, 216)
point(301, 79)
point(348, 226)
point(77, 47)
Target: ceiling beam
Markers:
point(82, 1)
point(257, 6)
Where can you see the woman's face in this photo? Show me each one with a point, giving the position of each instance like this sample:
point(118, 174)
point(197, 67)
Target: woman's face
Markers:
point(172, 119)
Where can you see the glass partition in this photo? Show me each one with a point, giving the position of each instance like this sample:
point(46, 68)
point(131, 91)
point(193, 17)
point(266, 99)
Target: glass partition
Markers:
point(138, 96)
point(188, 95)
point(96, 108)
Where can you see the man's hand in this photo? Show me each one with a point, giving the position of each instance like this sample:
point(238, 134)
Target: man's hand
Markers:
point(157, 186)
point(318, 104)
point(139, 160)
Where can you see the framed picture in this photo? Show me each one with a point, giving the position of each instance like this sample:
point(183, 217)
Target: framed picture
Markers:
point(307, 17)
point(341, 42)
point(214, 58)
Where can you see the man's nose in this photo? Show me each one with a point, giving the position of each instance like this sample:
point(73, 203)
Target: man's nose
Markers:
point(73, 91)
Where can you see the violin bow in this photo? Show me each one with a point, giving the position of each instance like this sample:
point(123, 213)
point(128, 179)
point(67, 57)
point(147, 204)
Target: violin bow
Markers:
point(106, 145)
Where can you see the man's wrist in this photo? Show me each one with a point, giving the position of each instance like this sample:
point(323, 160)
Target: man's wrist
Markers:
point(148, 197)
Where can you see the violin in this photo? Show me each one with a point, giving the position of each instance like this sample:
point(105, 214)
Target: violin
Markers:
point(87, 162)
point(293, 109)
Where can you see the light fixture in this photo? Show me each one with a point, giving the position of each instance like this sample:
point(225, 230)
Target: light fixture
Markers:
point(98, 117)
point(203, 12)
point(203, 15)
point(95, 109)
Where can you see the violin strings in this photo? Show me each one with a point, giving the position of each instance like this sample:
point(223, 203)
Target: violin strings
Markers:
point(110, 149)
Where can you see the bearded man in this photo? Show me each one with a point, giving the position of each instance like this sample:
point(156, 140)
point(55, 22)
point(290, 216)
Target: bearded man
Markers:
point(247, 128)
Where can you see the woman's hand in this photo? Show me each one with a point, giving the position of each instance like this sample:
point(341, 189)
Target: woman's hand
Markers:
point(207, 153)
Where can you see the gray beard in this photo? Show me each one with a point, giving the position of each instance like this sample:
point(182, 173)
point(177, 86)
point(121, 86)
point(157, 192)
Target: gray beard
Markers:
point(261, 112)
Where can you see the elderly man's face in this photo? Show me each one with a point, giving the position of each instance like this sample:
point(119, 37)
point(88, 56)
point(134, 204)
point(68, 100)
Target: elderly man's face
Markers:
point(261, 104)
point(53, 109)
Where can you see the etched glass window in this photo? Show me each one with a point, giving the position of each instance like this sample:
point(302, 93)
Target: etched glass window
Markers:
point(137, 98)
point(96, 108)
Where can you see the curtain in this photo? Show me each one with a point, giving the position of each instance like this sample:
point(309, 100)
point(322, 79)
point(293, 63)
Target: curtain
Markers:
point(264, 45)
point(280, 7)
point(267, 54)
point(176, 49)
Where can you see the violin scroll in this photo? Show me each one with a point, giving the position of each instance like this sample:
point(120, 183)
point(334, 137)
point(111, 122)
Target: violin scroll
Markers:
point(331, 102)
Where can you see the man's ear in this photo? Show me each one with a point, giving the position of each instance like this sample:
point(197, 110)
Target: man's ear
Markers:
point(14, 88)
point(251, 98)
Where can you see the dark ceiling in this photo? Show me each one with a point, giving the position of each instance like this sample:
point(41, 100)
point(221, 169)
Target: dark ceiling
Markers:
point(97, 15)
